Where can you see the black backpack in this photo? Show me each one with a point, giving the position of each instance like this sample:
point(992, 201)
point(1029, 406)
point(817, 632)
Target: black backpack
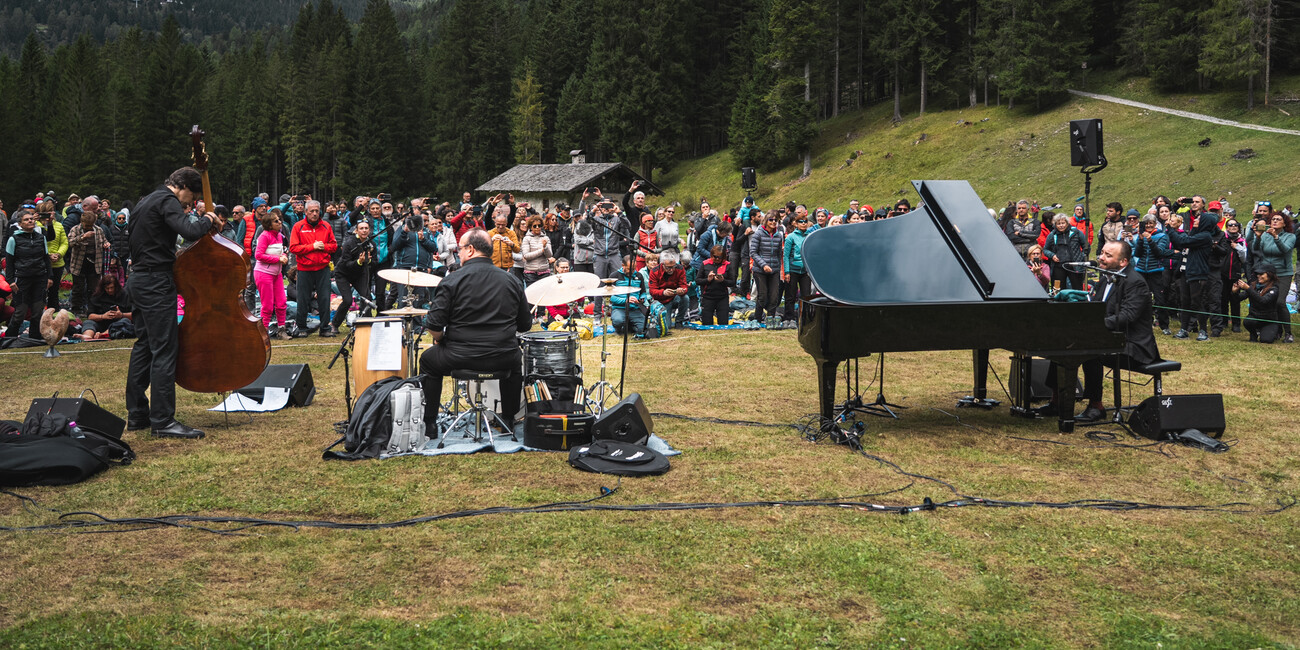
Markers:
point(43, 451)
point(372, 422)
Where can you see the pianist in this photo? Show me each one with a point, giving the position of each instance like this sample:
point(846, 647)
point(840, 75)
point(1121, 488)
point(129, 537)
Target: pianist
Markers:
point(1128, 310)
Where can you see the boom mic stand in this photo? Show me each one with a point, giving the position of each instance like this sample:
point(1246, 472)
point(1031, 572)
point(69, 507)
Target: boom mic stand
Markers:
point(347, 381)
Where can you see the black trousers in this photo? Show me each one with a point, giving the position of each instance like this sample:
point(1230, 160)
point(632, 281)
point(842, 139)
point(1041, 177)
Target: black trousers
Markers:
point(1229, 302)
point(438, 361)
point(345, 292)
point(739, 258)
point(1204, 298)
point(52, 294)
point(83, 285)
point(313, 285)
point(715, 308)
point(1092, 374)
point(1156, 284)
point(800, 283)
point(29, 304)
point(769, 293)
point(153, 359)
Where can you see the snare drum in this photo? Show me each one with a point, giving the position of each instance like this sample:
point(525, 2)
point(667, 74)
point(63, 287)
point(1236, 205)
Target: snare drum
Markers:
point(550, 353)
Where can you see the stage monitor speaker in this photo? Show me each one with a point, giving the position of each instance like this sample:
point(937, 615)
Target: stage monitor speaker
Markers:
point(627, 421)
point(295, 376)
point(1085, 143)
point(1162, 416)
point(748, 178)
point(84, 412)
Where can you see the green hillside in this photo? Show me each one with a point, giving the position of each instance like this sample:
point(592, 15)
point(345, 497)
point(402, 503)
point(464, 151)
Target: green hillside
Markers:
point(1013, 154)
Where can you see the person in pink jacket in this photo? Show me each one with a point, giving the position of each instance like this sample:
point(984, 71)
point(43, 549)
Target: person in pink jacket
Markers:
point(270, 256)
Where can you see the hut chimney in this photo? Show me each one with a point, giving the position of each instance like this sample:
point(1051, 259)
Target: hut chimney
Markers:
point(577, 157)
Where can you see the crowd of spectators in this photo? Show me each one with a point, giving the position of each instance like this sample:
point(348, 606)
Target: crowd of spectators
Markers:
point(314, 262)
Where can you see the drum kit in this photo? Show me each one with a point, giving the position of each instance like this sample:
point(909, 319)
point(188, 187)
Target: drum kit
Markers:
point(549, 354)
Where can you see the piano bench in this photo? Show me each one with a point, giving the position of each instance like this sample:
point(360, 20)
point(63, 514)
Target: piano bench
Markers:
point(1155, 370)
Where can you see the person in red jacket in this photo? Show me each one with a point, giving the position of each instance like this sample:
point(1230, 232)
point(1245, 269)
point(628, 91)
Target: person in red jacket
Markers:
point(312, 241)
point(668, 286)
point(1080, 220)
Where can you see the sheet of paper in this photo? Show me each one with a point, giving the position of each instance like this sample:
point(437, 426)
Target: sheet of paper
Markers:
point(385, 347)
point(273, 399)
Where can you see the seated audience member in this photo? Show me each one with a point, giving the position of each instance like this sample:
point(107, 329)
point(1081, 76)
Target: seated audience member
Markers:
point(668, 286)
point(716, 278)
point(1263, 295)
point(109, 304)
point(629, 308)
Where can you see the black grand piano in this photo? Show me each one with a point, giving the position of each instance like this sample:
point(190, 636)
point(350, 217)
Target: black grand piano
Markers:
point(942, 277)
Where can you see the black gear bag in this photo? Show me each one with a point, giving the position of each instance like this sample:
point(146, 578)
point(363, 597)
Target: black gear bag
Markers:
point(621, 458)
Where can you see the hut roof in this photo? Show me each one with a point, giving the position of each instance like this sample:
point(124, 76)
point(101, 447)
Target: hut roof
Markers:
point(564, 177)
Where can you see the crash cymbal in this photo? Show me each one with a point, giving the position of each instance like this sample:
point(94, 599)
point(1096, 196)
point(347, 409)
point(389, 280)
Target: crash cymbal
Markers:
point(405, 311)
point(611, 290)
point(410, 278)
point(561, 288)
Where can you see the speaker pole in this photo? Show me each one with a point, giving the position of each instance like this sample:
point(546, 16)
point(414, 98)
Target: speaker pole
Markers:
point(1087, 184)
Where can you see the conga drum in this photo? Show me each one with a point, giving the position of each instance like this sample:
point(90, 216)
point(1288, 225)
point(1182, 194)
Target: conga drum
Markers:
point(362, 376)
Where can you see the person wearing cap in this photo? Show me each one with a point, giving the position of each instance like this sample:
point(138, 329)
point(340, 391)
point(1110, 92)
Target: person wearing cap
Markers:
point(159, 219)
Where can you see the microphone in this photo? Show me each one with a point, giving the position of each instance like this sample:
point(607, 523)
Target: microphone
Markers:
point(367, 302)
point(1087, 264)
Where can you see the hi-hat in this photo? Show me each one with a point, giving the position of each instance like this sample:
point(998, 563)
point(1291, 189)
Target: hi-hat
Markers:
point(561, 288)
point(410, 278)
point(406, 311)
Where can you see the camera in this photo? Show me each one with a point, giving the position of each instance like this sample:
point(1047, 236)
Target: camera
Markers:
point(384, 197)
point(1185, 200)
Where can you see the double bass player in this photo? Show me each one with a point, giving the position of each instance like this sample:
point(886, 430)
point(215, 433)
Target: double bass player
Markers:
point(155, 223)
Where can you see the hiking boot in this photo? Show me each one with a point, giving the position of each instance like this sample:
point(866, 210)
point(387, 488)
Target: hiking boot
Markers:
point(1182, 334)
point(1202, 336)
point(1288, 339)
point(1236, 329)
point(1166, 332)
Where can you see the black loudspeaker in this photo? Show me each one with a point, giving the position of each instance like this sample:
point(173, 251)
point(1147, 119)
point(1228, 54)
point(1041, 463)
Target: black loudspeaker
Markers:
point(83, 411)
point(1163, 416)
point(296, 377)
point(1085, 143)
point(627, 421)
point(748, 178)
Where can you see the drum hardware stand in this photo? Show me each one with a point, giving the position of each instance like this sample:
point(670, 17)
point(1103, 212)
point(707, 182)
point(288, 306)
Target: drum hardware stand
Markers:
point(599, 391)
point(345, 352)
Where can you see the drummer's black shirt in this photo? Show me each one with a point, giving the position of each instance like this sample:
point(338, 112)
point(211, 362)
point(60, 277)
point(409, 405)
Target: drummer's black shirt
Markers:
point(480, 307)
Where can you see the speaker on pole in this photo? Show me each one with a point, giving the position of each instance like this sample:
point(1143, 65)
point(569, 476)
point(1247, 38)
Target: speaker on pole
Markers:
point(1085, 143)
point(748, 178)
point(1163, 417)
point(295, 376)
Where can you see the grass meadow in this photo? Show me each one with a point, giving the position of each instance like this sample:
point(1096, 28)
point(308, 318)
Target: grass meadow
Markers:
point(773, 576)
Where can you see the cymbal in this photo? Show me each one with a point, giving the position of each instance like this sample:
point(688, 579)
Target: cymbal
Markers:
point(410, 278)
point(561, 288)
point(611, 290)
point(405, 311)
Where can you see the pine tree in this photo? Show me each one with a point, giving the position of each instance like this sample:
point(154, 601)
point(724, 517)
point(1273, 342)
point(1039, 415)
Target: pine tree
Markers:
point(1232, 43)
point(575, 119)
point(795, 24)
point(380, 113)
point(74, 134)
point(526, 117)
point(33, 105)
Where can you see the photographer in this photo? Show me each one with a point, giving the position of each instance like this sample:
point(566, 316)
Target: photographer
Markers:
point(1151, 253)
point(715, 278)
point(353, 269)
point(606, 222)
point(1199, 269)
point(584, 243)
point(1264, 296)
point(415, 248)
point(1274, 241)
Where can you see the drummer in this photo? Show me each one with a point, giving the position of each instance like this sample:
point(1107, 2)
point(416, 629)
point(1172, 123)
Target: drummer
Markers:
point(473, 319)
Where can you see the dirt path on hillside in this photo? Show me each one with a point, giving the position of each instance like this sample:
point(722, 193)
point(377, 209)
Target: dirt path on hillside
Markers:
point(1194, 116)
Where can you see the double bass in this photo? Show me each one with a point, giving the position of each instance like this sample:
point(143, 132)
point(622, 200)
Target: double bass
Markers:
point(223, 347)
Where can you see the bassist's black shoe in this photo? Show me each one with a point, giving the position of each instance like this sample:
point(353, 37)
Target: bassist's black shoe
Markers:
point(177, 430)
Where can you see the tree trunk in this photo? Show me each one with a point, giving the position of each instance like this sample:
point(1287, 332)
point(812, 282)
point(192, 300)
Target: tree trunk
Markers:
point(970, 40)
point(835, 83)
point(861, 82)
point(922, 113)
point(898, 115)
point(807, 97)
point(1250, 92)
point(1268, 46)
point(986, 90)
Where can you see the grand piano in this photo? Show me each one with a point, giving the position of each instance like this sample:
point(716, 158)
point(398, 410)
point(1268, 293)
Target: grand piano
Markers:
point(942, 277)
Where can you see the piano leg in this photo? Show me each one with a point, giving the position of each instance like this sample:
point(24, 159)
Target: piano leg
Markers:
point(979, 391)
point(1067, 374)
point(826, 387)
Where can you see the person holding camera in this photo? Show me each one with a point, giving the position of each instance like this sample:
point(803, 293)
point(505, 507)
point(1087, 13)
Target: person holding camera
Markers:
point(414, 248)
point(353, 269)
point(1152, 252)
point(716, 278)
point(1273, 239)
point(1264, 296)
point(108, 306)
point(1204, 230)
point(608, 224)
point(1038, 265)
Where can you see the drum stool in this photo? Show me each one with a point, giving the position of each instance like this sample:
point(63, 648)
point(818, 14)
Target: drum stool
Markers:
point(481, 417)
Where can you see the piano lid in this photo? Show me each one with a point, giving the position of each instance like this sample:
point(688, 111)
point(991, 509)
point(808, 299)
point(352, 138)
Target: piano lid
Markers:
point(947, 250)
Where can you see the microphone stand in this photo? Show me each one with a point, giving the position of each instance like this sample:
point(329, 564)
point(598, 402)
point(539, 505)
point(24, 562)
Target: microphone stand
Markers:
point(347, 381)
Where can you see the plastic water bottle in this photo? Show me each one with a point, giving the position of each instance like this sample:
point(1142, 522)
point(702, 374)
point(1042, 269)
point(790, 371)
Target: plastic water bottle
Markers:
point(75, 430)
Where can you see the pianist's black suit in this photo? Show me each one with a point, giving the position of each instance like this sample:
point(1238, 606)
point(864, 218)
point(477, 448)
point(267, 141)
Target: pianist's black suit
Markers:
point(1128, 310)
